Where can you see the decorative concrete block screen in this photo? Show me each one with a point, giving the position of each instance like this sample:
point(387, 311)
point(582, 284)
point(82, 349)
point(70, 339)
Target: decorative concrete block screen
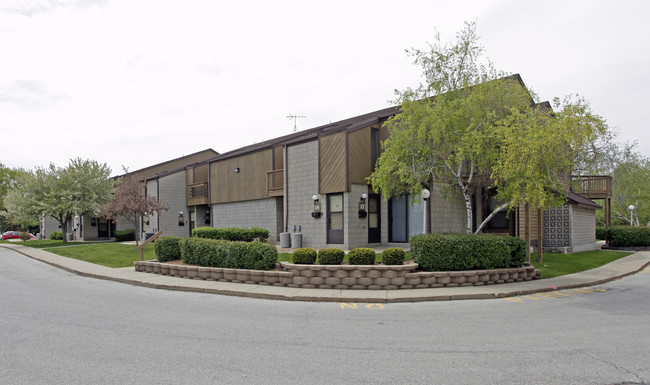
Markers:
point(371, 277)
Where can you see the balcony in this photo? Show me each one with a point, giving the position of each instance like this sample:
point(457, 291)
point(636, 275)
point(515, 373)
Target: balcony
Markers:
point(275, 183)
point(197, 194)
point(592, 186)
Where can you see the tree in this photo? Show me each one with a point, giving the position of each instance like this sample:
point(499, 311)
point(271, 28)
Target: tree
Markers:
point(8, 180)
point(17, 209)
point(130, 202)
point(631, 187)
point(61, 193)
point(470, 125)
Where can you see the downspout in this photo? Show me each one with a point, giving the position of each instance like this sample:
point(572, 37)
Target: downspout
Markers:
point(158, 199)
point(285, 157)
point(210, 194)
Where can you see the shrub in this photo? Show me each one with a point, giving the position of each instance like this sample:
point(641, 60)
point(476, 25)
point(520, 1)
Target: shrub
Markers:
point(361, 256)
point(125, 235)
point(330, 256)
point(393, 256)
point(167, 248)
point(56, 235)
point(304, 256)
point(25, 236)
point(226, 254)
point(601, 233)
point(517, 248)
point(454, 252)
point(232, 233)
point(628, 236)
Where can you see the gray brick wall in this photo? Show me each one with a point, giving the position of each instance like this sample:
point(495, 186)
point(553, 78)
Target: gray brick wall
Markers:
point(302, 168)
point(172, 191)
point(256, 213)
point(355, 228)
point(448, 214)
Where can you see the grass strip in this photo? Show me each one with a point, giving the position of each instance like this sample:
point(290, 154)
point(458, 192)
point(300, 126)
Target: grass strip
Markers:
point(555, 265)
point(105, 254)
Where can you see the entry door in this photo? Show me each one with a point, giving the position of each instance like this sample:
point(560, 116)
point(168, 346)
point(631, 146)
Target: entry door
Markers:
point(398, 219)
point(102, 228)
point(335, 218)
point(374, 219)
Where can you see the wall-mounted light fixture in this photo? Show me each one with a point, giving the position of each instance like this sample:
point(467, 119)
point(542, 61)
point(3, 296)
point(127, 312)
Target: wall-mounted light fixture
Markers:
point(181, 219)
point(362, 206)
point(207, 217)
point(425, 194)
point(236, 169)
point(317, 210)
point(93, 222)
point(146, 218)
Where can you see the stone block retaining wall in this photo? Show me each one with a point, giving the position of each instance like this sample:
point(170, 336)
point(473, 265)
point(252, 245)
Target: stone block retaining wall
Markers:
point(371, 277)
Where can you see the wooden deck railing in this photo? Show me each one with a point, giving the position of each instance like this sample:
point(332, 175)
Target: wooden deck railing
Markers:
point(275, 182)
point(592, 186)
point(197, 194)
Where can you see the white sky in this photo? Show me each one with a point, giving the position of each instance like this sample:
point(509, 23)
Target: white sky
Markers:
point(137, 82)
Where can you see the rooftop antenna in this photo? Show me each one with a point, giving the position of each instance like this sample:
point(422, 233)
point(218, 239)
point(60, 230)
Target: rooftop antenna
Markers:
point(295, 118)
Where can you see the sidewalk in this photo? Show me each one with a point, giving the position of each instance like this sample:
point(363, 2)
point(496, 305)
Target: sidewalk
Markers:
point(614, 270)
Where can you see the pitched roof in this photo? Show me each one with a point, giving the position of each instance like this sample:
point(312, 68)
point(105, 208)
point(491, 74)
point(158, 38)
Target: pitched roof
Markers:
point(582, 201)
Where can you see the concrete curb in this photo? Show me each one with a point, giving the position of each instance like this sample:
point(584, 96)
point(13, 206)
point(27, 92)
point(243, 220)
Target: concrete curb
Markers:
point(612, 271)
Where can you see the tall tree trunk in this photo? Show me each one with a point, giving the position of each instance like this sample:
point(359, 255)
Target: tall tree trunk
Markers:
point(137, 226)
point(64, 228)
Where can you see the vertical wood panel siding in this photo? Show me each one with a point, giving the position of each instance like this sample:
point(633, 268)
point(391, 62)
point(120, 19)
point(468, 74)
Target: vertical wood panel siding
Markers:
point(359, 154)
point(278, 156)
point(332, 163)
point(201, 173)
point(248, 184)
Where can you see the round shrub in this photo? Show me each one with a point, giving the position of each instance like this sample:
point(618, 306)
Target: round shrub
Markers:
point(56, 235)
point(393, 256)
point(167, 248)
point(330, 256)
point(304, 256)
point(361, 256)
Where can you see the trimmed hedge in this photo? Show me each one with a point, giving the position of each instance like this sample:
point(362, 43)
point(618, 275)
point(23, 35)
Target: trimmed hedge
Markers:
point(601, 233)
point(393, 256)
point(305, 256)
point(361, 256)
point(125, 235)
point(167, 248)
point(627, 236)
point(226, 254)
point(456, 252)
point(331, 256)
point(57, 235)
point(232, 233)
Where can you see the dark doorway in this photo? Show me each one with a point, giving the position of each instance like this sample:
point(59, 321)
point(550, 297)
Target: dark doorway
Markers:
point(335, 218)
point(374, 219)
point(398, 219)
point(105, 228)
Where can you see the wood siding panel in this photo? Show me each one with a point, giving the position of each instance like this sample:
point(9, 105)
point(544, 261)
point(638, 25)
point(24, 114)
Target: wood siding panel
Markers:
point(278, 158)
point(359, 156)
point(249, 183)
point(332, 163)
point(201, 173)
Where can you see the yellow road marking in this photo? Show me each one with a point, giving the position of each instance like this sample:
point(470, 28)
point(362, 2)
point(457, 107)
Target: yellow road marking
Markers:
point(555, 294)
point(355, 306)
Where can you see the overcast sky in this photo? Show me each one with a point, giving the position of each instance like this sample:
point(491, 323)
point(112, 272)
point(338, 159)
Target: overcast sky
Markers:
point(137, 82)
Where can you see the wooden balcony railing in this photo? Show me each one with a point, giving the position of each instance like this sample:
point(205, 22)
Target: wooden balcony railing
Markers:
point(197, 194)
point(592, 186)
point(275, 182)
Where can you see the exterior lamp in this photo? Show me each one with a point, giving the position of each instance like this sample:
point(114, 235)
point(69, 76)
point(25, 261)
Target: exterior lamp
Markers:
point(236, 169)
point(146, 221)
point(362, 206)
point(425, 194)
point(317, 210)
point(181, 219)
point(631, 208)
point(207, 217)
point(93, 222)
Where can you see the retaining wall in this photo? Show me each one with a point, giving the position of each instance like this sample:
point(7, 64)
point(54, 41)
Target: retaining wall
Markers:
point(371, 277)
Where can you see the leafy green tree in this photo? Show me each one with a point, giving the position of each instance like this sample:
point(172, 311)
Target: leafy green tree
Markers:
point(61, 193)
point(8, 179)
point(18, 209)
point(631, 187)
point(469, 125)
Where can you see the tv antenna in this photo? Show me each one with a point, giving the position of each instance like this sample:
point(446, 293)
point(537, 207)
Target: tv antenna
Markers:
point(295, 119)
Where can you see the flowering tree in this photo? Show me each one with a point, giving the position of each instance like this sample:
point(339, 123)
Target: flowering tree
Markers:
point(131, 203)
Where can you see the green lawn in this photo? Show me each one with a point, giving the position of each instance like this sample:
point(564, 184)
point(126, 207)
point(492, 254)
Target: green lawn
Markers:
point(46, 243)
point(555, 265)
point(105, 254)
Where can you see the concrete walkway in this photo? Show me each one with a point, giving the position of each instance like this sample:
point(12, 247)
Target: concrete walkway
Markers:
point(614, 270)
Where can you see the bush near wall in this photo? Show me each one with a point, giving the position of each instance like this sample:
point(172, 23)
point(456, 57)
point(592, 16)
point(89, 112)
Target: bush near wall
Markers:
point(125, 235)
point(361, 256)
point(393, 256)
point(232, 233)
point(627, 236)
point(330, 256)
point(601, 233)
point(57, 235)
point(304, 256)
point(228, 254)
point(167, 248)
point(456, 252)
